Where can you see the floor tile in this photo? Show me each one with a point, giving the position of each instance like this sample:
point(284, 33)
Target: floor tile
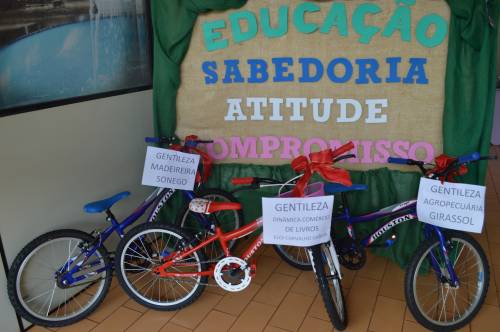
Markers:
point(113, 300)
point(361, 300)
point(488, 319)
point(82, 326)
point(234, 303)
point(151, 321)
point(393, 282)
point(305, 284)
point(317, 309)
point(413, 327)
point(388, 315)
point(171, 327)
point(265, 267)
point(216, 321)
point(285, 268)
point(374, 267)
point(311, 324)
point(269, 251)
point(253, 318)
point(39, 329)
point(275, 289)
point(119, 321)
point(132, 304)
point(194, 313)
point(273, 329)
point(291, 312)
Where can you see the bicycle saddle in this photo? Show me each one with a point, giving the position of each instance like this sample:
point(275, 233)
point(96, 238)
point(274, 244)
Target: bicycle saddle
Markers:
point(103, 205)
point(333, 188)
point(200, 205)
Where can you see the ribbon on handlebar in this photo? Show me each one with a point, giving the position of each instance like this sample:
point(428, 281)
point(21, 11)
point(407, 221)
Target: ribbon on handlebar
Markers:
point(320, 162)
point(443, 162)
point(206, 160)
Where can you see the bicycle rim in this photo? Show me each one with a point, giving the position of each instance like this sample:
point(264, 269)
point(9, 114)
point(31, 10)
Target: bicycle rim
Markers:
point(36, 283)
point(439, 302)
point(142, 253)
point(295, 256)
point(334, 282)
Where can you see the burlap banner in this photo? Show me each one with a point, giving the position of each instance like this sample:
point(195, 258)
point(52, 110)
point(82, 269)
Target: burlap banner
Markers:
point(278, 78)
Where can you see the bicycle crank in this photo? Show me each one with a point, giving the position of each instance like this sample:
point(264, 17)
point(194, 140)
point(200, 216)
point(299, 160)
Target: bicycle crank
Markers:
point(233, 274)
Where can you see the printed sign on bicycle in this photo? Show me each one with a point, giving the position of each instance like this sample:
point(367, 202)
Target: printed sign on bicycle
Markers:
point(170, 169)
point(297, 221)
point(457, 206)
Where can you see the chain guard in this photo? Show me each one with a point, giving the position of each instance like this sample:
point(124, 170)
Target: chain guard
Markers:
point(351, 254)
point(226, 268)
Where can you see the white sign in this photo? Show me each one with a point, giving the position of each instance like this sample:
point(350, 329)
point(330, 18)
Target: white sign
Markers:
point(170, 169)
point(451, 205)
point(298, 221)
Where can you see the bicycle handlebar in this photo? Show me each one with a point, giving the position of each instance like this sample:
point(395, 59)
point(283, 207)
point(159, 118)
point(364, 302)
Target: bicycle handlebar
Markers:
point(171, 140)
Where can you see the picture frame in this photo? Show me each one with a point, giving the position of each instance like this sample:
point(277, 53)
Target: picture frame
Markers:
point(57, 52)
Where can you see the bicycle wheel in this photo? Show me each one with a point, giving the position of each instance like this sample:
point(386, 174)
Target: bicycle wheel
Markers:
point(35, 286)
point(141, 250)
point(330, 285)
point(433, 301)
point(294, 256)
point(228, 220)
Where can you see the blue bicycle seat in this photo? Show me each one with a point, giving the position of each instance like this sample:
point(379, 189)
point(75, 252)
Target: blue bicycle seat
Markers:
point(103, 205)
point(333, 188)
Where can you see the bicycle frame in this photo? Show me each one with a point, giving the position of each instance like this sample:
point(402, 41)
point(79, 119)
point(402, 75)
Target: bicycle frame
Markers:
point(403, 212)
point(223, 239)
point(159, 196)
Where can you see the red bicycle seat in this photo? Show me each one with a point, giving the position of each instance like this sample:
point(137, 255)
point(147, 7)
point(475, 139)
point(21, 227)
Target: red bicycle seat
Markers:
point(200, 205)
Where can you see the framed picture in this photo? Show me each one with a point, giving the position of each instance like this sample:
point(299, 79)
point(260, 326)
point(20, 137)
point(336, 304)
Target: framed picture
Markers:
point(54, 52)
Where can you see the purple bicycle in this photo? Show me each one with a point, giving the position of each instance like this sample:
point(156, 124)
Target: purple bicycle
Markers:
point(62, 276)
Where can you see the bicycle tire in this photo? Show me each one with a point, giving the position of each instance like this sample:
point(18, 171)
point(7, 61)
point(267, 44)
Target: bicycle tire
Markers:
point(413, 273)
point(293, 256)
point(233, 219)
point(22, 260)
point(141, 232)
point(325, 272)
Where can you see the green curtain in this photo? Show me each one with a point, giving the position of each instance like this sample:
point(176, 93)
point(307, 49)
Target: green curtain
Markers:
point(470, 80)
point(469, 104)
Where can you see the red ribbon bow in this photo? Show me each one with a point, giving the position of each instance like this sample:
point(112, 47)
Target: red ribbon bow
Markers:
point(206, 160)
point(321, 162)
point(442, 163)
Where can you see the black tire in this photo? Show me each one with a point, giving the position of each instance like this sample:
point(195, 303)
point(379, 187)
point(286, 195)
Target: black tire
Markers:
point(22, 260)
point(228, 220)
point(294, 256)
point(457, 242)
point(328, 280)
point(150, 233)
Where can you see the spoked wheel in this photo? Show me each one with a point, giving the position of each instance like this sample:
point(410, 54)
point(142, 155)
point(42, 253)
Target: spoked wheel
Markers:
point(228, 220)
point(433, 299)
point(149, 244)
point(36, 285)
point(329, 284)
point(294, 256)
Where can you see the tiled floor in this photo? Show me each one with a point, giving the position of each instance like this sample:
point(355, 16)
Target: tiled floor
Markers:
point(284, 299)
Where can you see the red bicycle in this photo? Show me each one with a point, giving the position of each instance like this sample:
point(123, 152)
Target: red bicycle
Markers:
point(162, 267)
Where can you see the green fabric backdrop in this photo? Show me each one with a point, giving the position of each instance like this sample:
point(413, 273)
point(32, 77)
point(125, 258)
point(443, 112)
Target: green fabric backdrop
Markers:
point(469, 105)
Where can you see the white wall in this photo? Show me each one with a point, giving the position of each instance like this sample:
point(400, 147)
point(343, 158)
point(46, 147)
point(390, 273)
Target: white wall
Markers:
point(54, 161)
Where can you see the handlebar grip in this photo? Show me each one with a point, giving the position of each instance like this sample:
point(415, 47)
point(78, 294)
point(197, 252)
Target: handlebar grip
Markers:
point(152, 139)
point(474, 156)
point(402, 161)
point(242, 181)
point(344, 148)
point(205, 141)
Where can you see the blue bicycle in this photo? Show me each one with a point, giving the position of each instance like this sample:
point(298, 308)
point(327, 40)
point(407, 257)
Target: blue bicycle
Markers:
point(62, 276)
point(448, 275)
